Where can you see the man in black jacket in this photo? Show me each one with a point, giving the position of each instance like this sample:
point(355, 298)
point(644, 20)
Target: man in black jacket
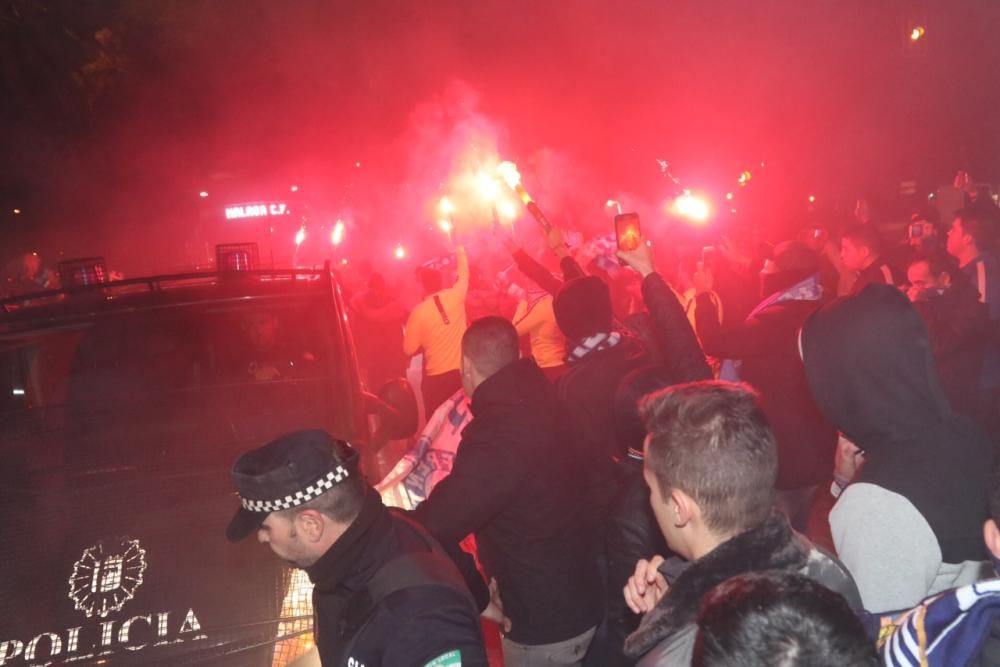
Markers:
point(385, 592)
point(599, 358)
point(861, 253)
point(516, 487)
point(711, 462)
point(763, 350)
point(958, 324)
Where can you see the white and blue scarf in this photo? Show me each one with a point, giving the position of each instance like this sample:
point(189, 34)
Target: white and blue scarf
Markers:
point(806, 290)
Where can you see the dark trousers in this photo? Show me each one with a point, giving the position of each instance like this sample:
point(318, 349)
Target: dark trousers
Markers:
point(437, 389)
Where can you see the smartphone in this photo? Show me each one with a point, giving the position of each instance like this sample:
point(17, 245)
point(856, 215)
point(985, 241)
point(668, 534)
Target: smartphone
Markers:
point(627, 232)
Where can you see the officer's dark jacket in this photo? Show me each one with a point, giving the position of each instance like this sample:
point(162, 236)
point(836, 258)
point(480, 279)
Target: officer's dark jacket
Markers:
point(418, 613)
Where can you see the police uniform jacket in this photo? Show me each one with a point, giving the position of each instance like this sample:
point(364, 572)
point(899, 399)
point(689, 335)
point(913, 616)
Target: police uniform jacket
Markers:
point(385, 595)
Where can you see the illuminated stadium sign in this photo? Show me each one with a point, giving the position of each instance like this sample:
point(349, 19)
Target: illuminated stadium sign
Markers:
point(258, 210)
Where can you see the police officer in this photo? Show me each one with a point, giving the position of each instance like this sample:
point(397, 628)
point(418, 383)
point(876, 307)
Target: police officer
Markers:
point(385, 593)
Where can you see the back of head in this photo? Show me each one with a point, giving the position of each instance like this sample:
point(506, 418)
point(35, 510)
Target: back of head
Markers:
point(795, 256)
point(774, 619)
point(864, 236)
point(583, 308)
point(937, 261)
point(629, 426)
point(430, 279)
point(490, 343)
point(793, 263)
point(712, 441)
point(870, 367)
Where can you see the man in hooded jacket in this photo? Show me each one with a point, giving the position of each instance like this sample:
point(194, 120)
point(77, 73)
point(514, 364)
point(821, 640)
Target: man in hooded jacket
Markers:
point(910, 524)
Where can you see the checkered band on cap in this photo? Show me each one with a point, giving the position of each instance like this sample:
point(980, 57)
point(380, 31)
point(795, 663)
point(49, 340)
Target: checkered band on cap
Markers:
point(314, 490)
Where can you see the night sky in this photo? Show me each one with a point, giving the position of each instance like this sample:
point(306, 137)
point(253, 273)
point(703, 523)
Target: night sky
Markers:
point(108, 137)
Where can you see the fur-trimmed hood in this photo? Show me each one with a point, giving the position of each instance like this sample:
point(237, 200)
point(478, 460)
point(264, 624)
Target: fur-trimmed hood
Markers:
point(771, 546)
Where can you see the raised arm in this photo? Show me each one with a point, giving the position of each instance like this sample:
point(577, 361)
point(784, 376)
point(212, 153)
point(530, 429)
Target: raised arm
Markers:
point(683, 355)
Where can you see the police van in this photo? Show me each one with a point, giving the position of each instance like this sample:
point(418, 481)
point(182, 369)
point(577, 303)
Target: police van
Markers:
point(123, 405)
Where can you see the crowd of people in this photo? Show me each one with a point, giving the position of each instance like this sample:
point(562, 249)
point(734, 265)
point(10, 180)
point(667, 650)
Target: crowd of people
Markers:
point(781, 458)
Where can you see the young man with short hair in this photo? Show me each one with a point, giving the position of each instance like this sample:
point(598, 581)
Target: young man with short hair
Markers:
point(971, 233)
point(860, 251)
point(711, 464)
point(957, 322)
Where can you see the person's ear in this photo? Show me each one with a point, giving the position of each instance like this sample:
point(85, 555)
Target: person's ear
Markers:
point(309, 523)
point(685, 508)
point(945, 280)
point(991, 536)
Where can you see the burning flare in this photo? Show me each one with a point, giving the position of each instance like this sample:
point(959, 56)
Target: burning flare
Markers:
point(692, 207)
point(508, 172)
point(487, 186)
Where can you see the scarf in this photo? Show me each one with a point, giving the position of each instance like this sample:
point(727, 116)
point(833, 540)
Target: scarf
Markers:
point(946, 629)
point(805, 290)
point(595, 343)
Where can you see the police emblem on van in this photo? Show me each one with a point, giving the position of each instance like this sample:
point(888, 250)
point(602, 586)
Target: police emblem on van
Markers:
point(105, 578)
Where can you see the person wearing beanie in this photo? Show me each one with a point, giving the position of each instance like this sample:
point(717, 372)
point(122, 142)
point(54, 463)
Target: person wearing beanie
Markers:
point(599, 357)
point(762, 350)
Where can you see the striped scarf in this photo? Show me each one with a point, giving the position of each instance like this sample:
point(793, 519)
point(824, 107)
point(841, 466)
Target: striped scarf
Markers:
point(595, 343)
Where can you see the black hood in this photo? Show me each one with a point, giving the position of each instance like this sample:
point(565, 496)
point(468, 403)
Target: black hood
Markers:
point(870, 369)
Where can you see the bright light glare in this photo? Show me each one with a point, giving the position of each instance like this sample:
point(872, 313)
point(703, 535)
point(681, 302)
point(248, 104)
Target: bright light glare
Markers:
point(917, 33)
point(337, 237)
point(812, 199)
point(745, 178)
point(507, 210)
point(508, 172)
point(400, 252)
point(691, 206)
point(202, 194)
point(487, 186)
point(17, 211)
point(300, 236)
point(295, 188)
point(445, 226)
point(18, 392)
point(447, 206)
point(729, 196)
